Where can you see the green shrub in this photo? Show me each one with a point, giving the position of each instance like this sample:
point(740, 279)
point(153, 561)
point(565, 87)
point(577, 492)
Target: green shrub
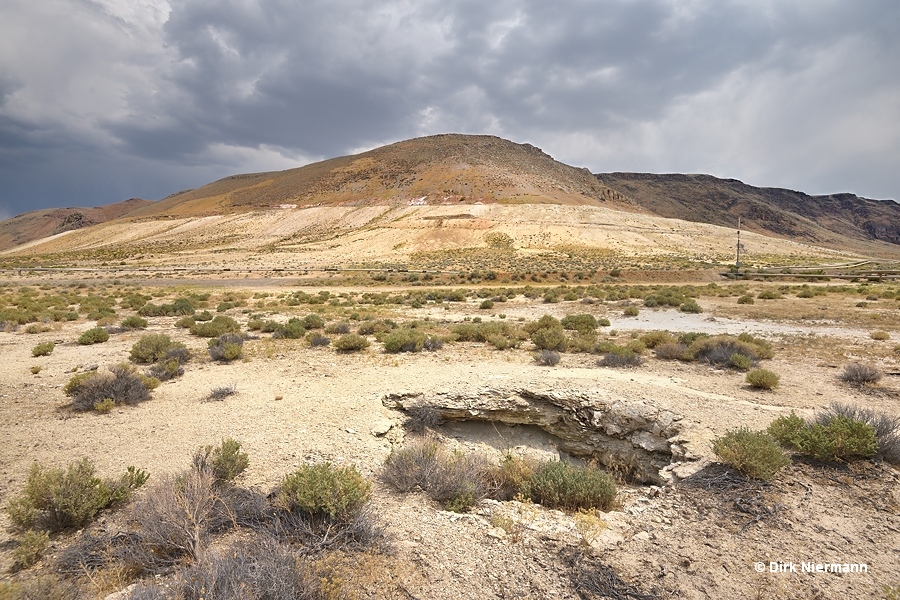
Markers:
point(225, 461)
point(618, 356)
point(752, 453)
point(152, 347)
point(57, 499)
point(549, 338)
point(631, 311)
point(769, 295)
point(186, 322)
point(170, 365)
point(219, 325)
point(323, 490)
point(652, 339)
point(583, 322)
point(690, 306)
point(43, 349)
point(672, 351)
point(558, 484)
point(292, 330)
point(29, 549)
point(227, 347)
point(95, 335)
point(486, 304)
point(788, 430)
point(886, 427)
point(350, 343)
point(741, 362)
point(404, 340)
point(203, 316)
point(763, 379)
point(746, 299)
point(836, 438)
point(604, 322)
point(313, 321)
point(133, 322)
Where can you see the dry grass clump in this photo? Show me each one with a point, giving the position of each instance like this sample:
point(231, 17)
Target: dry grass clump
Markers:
point(222, 392)
point(752, 453)
point(619, 357)
point(880, 335)
point(672, 351)
point(860, 374)
point(121, 385)
point(458, 480)
point(547, 358)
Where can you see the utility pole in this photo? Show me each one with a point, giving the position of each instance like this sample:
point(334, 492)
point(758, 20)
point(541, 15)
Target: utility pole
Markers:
point(737, 262)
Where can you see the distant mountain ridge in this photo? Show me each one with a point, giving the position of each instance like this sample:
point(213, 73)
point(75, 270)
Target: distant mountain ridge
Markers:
point(448, 170)
point(786, 213)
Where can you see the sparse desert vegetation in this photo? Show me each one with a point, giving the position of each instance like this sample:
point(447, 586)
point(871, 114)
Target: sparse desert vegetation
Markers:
point(302, 509)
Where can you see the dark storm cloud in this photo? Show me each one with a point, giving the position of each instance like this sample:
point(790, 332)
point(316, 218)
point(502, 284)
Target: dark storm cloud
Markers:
point(111, 99)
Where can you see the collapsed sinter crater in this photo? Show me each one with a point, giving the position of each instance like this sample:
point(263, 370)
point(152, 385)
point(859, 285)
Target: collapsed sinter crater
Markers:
point(637, 437)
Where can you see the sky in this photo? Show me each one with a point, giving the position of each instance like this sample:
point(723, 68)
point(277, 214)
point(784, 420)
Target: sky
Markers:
point(105, 100)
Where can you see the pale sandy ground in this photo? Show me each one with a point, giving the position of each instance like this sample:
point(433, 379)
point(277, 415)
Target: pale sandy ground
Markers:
point(296, 404)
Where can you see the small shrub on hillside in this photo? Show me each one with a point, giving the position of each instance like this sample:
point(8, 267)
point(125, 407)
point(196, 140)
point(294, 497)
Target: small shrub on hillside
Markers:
point(225, 461)
point(860, 374)
point(672, 351)
point(720, 351)
point(29, 548)
point(57, 499)
point(170, 365)
point(549, 338)
point(404, 340)
point(690, 306)
point(133, 322)
point(337, 328)
point(317, 340)
point(486, 304)
point(752, 453)
point(324, 490)
point(432, 343)
point(620, 357)
point(885, 426)
point(547, 358)
point(219, 325)
point(834, 438)
point(313, 321)
point(351, 343)
point(203, 316)
point(292, 330)
point(583, 322)
point(226, 347)
point(185, 322)
point(652, 339)
point(631, 311)
point(769, 295)
point(43, 349)
point(763, 379)
point(222, 392)
point(96, 335)
point(741, 362)
point(122, 384)
point(558, 484)
point(880, 335)
point(746, 299)
point(152, 347)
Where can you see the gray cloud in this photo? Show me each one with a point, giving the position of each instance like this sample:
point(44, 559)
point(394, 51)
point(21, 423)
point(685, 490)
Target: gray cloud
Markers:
point(111, 99)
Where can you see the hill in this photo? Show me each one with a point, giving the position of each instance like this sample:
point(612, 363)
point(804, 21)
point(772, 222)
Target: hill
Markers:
point(827, 220)
point(39, 224)
point(439, 169)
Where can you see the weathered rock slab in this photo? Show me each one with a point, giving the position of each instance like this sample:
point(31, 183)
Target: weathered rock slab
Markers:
point(636, 437)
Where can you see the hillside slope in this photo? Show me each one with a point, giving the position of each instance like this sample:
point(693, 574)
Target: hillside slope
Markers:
point(39, 224)
point(706, 199)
